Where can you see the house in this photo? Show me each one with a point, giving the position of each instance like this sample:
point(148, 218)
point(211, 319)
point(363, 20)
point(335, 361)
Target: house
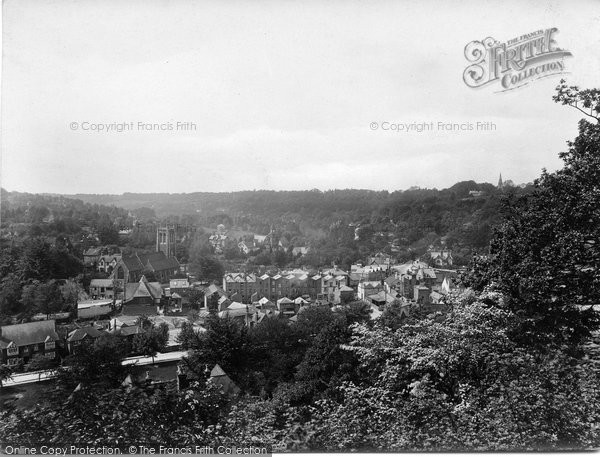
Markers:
point(259, 240)
point(440, 257)
point(247, 314)
point(343, 294)
point(218, 241)
point(366, 288)
point(94, 309)
point(241, 283)
point(91, 256)
point(214, 292)
point(265, 304)
point(180, 286)
point(299, 251)
point(82, 335)
point(382, 298)
point(300, 302)
point(220, 379)
point(333, 280)
point(102, 288)
point(476, 193)
point(142, 298)
point(422, 295)
point(243, 247)
point(380, 260)
point(392, 284)
point(20, 342)
point(373, 272)
point(107, 263)
point(289, 283)
point(286, 306)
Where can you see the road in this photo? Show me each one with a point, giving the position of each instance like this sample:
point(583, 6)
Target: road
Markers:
point(38, 376)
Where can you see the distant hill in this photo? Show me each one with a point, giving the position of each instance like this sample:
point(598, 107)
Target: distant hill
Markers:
point(274, 202)
point(358, 220)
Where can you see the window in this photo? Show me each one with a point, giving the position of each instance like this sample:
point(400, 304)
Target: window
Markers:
point(49, 355)
point(13, 361)
point(12, 350)
point(50, 345)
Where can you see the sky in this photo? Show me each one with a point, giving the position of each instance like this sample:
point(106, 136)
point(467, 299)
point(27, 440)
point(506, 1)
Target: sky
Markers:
point(282, 95)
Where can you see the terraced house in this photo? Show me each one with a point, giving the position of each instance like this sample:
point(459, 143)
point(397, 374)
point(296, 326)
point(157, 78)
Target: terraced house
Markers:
point(291, 284)
point(20, 342)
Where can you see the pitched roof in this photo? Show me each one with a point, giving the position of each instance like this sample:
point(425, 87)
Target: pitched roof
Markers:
point(217, 371)
point(382, 296)
point(29, 333)
point(370, 284)
point(83, 304)
point(336, 272)
point(80, 333)
point(158, 261)
point(213, 288)
point(101, 283)
point(132, 263)
point(237, 305)
point(126, 331)
point(109, 258)
point(180, 283)
point(143, 288)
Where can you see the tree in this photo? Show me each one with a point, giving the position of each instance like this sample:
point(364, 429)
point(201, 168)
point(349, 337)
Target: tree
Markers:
point(206, 267)
point(10, 294)
point(40, 363)
point(276, 352)
point(312, 319)
point(42, 297)
point(73, 291)
point(118, 417)
point(97, 364)
point(545, 256)
point(225, 342)
point(108, 234)
point(6, 373)
point(195, 297)
point(325, 364)
point(357, 312)
point(459, 384)
point(152, 340)
point(280, 258)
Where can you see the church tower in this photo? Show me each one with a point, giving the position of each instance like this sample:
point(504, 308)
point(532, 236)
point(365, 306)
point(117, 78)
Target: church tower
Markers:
point(165, 240)
point(500, 183)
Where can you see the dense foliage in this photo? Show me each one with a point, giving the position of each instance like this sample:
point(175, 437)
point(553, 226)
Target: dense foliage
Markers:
point(545, 256)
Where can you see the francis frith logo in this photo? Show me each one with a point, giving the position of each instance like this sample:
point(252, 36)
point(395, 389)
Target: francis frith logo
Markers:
point(516, 62)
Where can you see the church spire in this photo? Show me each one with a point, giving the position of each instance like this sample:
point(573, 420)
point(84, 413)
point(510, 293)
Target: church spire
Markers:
point(500, 183)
